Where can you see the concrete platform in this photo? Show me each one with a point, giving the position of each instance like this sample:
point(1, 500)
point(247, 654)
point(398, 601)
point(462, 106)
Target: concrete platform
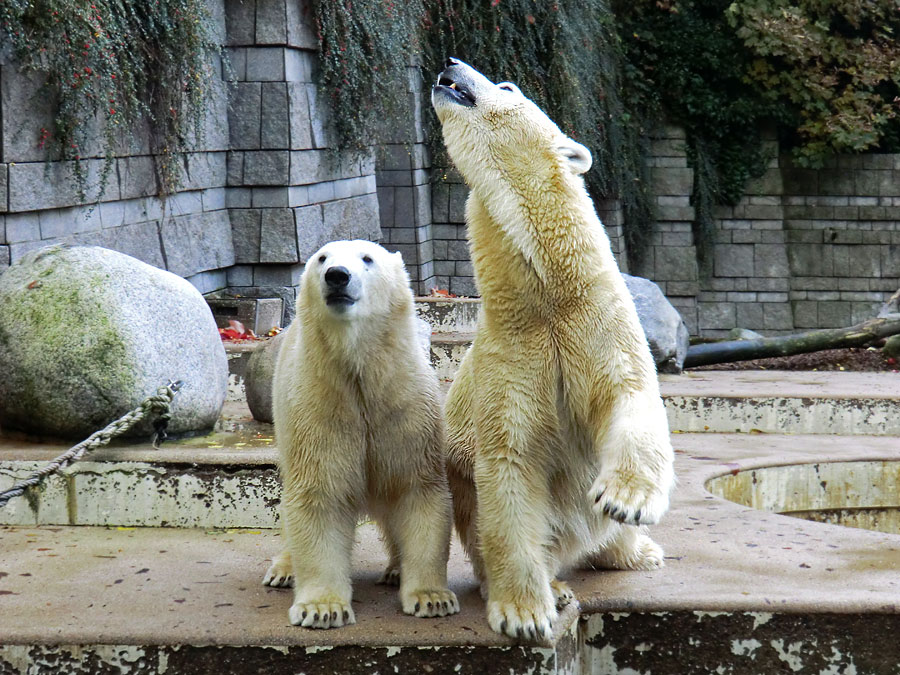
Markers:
point(750, 587)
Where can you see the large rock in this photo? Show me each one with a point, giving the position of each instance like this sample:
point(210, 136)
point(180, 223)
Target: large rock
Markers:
point(665, 329)
point(87, 333)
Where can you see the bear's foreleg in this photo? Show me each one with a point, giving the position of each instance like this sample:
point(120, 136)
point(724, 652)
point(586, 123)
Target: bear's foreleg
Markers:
point(636, 461)
point(418, 524)
point(319, 529)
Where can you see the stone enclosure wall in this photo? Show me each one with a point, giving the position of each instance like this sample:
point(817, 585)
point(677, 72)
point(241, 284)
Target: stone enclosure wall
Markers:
point(266, 187)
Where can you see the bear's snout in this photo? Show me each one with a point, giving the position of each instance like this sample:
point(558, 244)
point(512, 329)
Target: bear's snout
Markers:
point(337, 277)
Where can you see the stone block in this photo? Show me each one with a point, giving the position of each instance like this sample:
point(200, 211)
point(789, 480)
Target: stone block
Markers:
point(401, 235)
point(404, 207)
point(275, 131)
point(271, 22)
point(386, 206)
point(267, 167)
point(458, 250)
point(770, 183)
point(197, 242)
point(308, 223)
point(4, 258)
point(270, 197)
point(734, 260)
point(313, 166)
point(139, 240)
point(4, 188)
point(668, 147)
point(213, 199)
point(810, 260)
point(355, 218)
point(465, 287)
point(800, 181)
point(209, 281)
point(238, 198)
point(675, 263)
point(834, 314)
point(184, 203)
point(440, 203)
point(777, 316)
point(204, 170)
point(298, 117)
point(36, 186)
point(244, 116)
point(298, 65)
point(237, 60)
point(22, 227)
point(875, 183)
point(671, 181)
point(459, 193)
point(716, 315)
point(277, 275)
point(25, 112)
point(770, 260)
point(856, 261)
point(301, 24)
point(234, 168)
point(240, 22)
point(749, 315)
point(322, 131)
point(805, 313)
point(766, 284)
point(239, 275)
point(890, 260)
point(278, 237)
point(265, 64)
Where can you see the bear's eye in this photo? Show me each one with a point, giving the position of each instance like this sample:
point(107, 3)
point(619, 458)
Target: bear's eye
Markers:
point(321, 258)
point(367, 260)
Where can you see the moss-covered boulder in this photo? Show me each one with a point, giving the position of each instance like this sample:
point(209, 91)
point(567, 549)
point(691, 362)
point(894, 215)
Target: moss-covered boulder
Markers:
point(87, 333)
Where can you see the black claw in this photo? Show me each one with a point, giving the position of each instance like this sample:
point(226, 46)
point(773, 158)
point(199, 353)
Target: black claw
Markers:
point(637, 516)
point(316, 616)
point(303, 616)
point(430, 606)
point(503, 626)
point(334, 616)
point(520, 633)
point(416, 607)
point(599, 497)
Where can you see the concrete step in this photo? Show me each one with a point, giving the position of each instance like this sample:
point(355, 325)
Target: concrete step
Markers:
point(743, 590)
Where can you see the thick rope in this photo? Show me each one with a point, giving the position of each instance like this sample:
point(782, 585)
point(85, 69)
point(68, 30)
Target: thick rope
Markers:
point(157, 404)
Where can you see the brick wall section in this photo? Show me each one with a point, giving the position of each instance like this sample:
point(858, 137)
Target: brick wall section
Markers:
point(404, 190)
point(188, 233)
point(288, 190)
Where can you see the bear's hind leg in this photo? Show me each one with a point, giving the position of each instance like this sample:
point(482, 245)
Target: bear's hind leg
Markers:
point(281, 572)
point(625, 548)
point(418, 524)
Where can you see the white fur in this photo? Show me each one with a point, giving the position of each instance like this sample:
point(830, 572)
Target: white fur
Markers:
point(556, 429)
point(359, 427)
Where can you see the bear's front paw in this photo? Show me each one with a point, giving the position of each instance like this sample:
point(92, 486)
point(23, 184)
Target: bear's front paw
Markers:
point(280, 573)
point(628, 498)
point(391, 576)
point(522, 621)
point(321, 614)
point(428, 603)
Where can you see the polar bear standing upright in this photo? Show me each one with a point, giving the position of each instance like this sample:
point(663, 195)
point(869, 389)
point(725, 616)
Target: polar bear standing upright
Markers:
point(359, 427)
point(558, 441)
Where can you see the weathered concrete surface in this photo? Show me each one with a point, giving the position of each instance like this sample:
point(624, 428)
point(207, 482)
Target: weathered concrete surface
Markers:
point(733, 575)
point(840, 403)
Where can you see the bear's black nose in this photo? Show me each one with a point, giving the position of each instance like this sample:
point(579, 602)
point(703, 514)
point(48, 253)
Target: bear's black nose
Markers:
point(337, 277)
point(451, 62)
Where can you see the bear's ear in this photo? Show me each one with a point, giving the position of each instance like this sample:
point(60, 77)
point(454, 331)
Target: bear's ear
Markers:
point(578, 157)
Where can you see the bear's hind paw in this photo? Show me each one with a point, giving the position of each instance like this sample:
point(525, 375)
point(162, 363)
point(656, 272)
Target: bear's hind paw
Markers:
point(391, 577)
point(279, 575)
point(321, 614)
point(562, 592)
point(430, 603)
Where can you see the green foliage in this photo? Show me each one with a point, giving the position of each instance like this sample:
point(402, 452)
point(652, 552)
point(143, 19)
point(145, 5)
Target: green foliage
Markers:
point(688, 62)
point(366, 48)
point(111, 64)
point(565, 56)
point(835, 62)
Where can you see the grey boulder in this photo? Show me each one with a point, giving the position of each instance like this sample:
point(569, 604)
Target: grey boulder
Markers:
point(663, 326)
point(86, 334)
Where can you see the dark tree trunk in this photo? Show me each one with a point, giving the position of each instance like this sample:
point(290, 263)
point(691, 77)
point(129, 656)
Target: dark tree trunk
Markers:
point(788, 345)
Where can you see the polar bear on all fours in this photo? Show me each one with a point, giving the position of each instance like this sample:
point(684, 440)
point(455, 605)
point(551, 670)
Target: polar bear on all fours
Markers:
point(359, 427)
point(554, 419)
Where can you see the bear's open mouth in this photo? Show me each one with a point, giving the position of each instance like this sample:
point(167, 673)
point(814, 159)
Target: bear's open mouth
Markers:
point(455, 91)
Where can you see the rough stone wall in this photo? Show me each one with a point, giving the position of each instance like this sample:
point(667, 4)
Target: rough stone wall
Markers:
point(288, 189)
point(189, 233)
point(404, 190)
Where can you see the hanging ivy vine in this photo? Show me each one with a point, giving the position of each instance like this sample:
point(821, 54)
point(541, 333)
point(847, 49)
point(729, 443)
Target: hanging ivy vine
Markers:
point(110, 65)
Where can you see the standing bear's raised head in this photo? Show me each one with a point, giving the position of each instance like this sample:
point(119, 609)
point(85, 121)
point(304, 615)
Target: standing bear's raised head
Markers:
point(493, 132)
